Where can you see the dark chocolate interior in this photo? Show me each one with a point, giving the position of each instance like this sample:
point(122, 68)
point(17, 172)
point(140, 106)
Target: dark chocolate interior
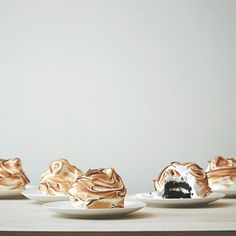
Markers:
point(173, 189)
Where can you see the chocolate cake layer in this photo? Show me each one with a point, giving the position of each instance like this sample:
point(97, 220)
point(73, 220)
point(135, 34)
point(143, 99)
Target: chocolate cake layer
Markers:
point(175, 189)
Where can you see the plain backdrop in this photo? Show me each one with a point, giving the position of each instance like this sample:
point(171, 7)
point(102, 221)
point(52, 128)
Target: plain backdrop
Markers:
point(127, 84)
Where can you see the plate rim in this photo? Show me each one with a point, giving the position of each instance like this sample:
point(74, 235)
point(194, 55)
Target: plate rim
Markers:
point(47, 206)
point(12, 190)
point(11, 194)
point(29, 192)
point(219, 195)
point(43, 198)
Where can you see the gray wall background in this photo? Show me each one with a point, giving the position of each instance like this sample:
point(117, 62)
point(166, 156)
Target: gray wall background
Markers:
point(128, 84)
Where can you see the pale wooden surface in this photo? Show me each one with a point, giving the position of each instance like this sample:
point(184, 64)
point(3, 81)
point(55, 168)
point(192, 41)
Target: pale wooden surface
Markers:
point(27, 216)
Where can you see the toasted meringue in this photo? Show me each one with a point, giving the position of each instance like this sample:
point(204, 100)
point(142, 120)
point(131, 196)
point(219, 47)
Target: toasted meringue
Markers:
point(12, 176)
point(182, 180)
point(221, 173)
point(59, 177)
point(98, 188)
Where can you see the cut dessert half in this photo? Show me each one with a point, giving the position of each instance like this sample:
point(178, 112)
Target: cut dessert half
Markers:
point(182, 180)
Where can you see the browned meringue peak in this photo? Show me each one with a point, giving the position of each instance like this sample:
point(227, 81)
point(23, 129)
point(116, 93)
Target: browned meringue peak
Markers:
point(221, 172)
point(188, 172)
point(59, 177)
point(98, 188)
point(220, 162)
point(12, 175)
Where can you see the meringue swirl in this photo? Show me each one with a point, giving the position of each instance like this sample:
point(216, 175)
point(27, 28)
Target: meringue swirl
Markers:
point(59, 177)
point(12, 175)
point(188, 172)
point(221, 173)
point(98, 188)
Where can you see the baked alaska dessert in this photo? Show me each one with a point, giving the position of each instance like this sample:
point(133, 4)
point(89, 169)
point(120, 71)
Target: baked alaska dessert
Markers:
point(12, 176)
point(182, 180)
point(221, 173)
point(98, 188)
point(59, 177)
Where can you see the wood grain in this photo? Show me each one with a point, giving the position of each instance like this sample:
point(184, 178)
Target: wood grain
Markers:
point(25, 217)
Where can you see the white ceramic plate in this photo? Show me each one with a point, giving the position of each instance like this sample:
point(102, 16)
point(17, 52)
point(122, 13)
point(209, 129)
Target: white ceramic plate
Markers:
point(11, 193)
point(35, 194)
point(64, 209)
point(227, 192)
point(173, 202)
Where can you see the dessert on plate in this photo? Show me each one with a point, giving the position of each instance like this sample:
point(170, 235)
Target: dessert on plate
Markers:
point(98, 188)
point(182, 180)
point(221, 173)
point(12, 176)
point(59, 177)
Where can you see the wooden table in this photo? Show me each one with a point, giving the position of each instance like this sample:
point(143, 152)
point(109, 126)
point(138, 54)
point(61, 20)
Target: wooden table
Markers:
point(25, 217)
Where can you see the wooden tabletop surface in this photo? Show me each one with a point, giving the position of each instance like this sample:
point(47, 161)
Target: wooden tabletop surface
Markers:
point(26, 217)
